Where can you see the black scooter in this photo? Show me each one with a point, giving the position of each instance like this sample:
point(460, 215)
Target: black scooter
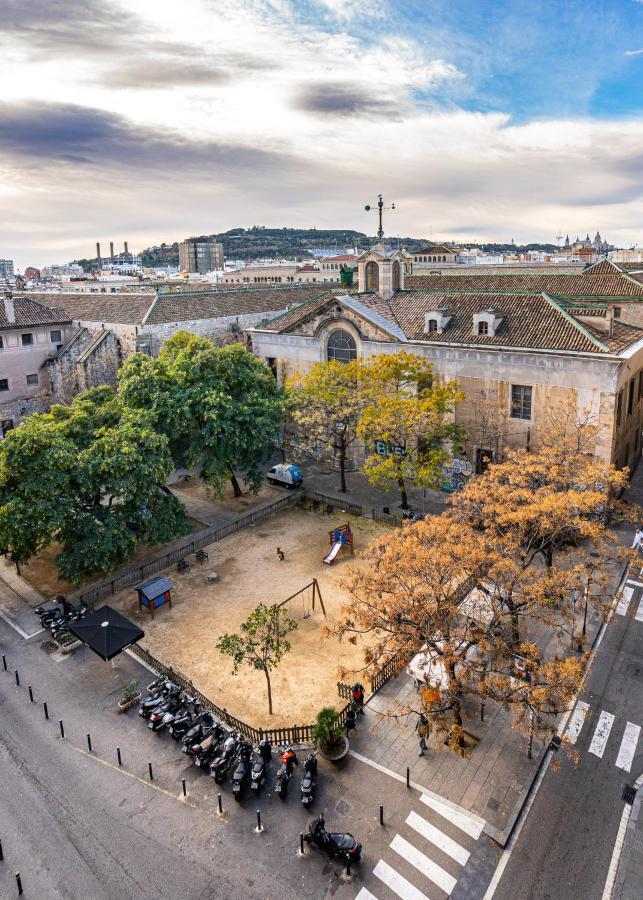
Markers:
point(337, 845)
point(283, 777)
point(220, 766)
point(241, 774)
point(309, 781)
point(207, 751)
point(166, 690)
point(260, 765)
point(203, 728)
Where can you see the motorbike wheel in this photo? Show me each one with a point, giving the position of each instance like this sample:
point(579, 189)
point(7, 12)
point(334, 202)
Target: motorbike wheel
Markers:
point(219, 777)
point(237, 796)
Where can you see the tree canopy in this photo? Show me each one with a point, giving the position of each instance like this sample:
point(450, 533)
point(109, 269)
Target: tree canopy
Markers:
point(219, 407)
point(91, 477)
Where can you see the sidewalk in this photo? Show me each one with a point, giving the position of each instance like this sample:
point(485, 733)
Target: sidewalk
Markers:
point(629, 877)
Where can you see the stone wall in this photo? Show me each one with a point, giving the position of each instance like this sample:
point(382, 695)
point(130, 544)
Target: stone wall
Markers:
point(90, 359)
point(219, 329)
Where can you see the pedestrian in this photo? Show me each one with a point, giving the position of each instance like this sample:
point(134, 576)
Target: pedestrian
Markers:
point(638, 539)
point(280, 554)
point(358, 696)
point(422, 728)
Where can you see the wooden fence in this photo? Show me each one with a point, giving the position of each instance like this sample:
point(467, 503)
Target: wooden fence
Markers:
point(379, 678)
point(317, 500)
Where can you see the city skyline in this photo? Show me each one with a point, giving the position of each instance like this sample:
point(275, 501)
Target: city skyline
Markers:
point(479, 122)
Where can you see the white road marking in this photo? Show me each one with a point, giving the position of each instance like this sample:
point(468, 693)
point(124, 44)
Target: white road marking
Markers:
point(639, 612)
point(12, 624)
point(435, 836)
point(601, 734)
point(616, 853)
point(459, 819)
point(635, 583)
point(628, 747)
point(423, 864)
point(397, 883)
point(576, 722)
point(623, 604)
point(365, 895)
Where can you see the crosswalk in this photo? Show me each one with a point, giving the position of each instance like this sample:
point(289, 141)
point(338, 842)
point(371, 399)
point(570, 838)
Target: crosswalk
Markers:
point(624, 605)
point(629, 737)
point(426, 860)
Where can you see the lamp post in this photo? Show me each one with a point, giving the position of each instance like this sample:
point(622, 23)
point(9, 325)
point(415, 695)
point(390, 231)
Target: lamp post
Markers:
point(340, 428)
point(591, 566)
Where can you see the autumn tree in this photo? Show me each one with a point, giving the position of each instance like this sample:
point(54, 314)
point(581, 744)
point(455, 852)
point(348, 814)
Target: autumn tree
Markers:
point(405, 422)
point(326, 405)
point(262, 642)
point(220, 408)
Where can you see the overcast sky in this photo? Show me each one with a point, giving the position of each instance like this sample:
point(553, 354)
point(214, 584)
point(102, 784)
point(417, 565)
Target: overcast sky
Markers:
point(157, 120)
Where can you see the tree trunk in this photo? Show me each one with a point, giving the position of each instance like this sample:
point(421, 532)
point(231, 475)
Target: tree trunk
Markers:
point(235, 484)
point(402, 487)
point(342, 463)
point(265, 672)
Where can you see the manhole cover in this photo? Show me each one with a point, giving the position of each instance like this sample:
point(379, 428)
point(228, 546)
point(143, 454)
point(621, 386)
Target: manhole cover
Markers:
point(343, 808)
point(49, 646)
point(493, 804)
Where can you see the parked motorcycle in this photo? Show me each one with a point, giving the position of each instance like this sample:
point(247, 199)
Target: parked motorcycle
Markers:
point(207, 750)
point(263, 755)
point(186, 720)
point(198, 733)
point(309, 781)
point(337, 845)
point(221, 765)
point(165, 712)
point(282, 779)
point(167, 689)
point(241, 774)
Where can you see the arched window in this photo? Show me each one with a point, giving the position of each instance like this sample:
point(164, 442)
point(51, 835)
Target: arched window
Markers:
point(341, 346)
point(483, 328)
point(396, 276)
point(433, 325)
point(372, 273)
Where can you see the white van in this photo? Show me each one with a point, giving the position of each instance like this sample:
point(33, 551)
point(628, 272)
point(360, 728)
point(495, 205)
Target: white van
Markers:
point(290, 476)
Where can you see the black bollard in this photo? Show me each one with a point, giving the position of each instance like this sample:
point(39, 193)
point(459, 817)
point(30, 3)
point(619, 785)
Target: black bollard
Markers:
point(30, 694)
point(89, 742)
point(220, 804)
point(19, 883)
point(44, 705)
point(1, 853)
point(408, 777)
point(17, 679)
point(185, 793)
point(149, 766)
point(301, 842)
point(381, 815)
point(259, 820)
point(348, 868)
point(4, 662)
point(62, 729)
point(118, 756)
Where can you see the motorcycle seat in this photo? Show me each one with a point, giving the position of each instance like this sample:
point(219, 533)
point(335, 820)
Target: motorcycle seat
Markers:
point(342, 841)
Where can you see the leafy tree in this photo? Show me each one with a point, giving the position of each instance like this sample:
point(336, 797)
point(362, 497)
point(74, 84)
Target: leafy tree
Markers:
point(91, 477)
point(405, 421)
point(262, 643)
point(326, 405)
point(346, 275)
point(219, 407)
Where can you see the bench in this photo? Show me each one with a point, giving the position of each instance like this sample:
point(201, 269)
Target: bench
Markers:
point(182, 565)
point(200, 556)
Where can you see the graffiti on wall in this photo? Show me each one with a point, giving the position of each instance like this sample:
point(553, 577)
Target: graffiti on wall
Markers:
point(455, 473)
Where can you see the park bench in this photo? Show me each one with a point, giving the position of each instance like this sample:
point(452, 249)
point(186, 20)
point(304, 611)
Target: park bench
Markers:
point(182, 565)
point(200, 556)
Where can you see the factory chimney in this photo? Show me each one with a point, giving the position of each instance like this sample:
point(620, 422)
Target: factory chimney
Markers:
point(111, 250)
point(126, 250)
point(98, 259)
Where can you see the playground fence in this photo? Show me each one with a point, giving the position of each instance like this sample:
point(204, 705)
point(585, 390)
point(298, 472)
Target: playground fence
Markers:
point(288, 734)
point(133, 574)
point(379, 678)
point(353, 509)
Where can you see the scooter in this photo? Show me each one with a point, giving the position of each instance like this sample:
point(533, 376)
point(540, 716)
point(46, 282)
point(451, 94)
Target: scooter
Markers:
point(284, 774)
point(241, 774)
point(203, 753)
point(340, 846)
point(309, 781)
point(260, 764)
point(166, 690)
point(220, 766)
point(184, 722)
point(158, 717)
point(198, 732)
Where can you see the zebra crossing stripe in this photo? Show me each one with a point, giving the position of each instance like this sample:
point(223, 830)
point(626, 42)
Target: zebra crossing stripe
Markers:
point(438, 838)
point(639, 612)
point(423, 864)
point(576, 722)
point(601, 734)
point(397, 883)
point(623, 604)
point(469, 825)
point(365, 895)
point(634, 583)
point(628, 747)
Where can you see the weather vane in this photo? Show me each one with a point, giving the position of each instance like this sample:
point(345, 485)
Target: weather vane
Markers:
point(380, 208)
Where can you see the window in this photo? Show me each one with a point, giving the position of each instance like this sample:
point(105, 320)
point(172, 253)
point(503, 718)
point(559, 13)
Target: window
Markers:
point(341, 346)
point(32, 380)
point(483, 328)
point(4, 384)
point(5, 426)
point(55, 336)
point(616, 310)
point(27, 339)
point(619, 404)
point(396, 276)
point(372, 274)
point(520, 401)
point(630, 396)
point(1, 343)
point(433, 325)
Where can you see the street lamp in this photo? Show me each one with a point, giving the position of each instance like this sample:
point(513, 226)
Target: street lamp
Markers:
point(591, 567)
point(340, 428)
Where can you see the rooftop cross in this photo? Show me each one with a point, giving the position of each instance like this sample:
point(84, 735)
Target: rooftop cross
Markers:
point(380, 208)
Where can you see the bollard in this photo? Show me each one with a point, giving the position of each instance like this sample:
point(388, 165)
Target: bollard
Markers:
point(381, 815)
point(19, 883)
point(185, 793)
point(348, 868)
point(1, 853)
point(62, 729)
point(4, 662)
point(30, 694)
point(301, 842)
point(149, 766)
point(17, 679)
point(118, 756)
point(46, 710)
point(220, 805)
point(89, 742)
point(259, 828)
point(408, 777)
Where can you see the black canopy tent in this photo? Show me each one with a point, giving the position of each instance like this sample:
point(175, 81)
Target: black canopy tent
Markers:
point(107, 632)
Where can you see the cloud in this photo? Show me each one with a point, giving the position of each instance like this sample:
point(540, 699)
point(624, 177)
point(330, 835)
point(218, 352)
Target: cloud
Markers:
point(344, 100)
point(634, 52)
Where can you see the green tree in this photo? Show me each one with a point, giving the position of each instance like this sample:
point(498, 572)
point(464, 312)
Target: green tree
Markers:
point(346, 276)
point(219, 407)
point(90, 477)
point(405, 424)
point(262, 643)
point(326, 405)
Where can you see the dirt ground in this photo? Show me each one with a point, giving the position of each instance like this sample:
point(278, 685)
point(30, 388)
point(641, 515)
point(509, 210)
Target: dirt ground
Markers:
point(185, 636)
point(199, 499)
point(41, 571)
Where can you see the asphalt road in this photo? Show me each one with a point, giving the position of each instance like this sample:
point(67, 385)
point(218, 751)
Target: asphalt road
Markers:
point(565, 847)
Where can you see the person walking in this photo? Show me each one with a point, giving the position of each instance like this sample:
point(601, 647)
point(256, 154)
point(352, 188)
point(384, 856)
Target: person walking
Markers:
point(358, 696)
point(638, 539)
point(422, 729)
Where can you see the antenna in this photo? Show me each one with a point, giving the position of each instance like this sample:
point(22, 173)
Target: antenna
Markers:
point(380, 208)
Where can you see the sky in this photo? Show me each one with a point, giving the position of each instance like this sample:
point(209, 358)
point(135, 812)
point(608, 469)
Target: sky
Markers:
point(155, 120)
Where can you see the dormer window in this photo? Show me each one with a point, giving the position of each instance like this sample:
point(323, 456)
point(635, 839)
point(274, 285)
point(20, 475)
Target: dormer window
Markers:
point(487, 322)
point(432, 325)
point(483, 328)
point(436, 320)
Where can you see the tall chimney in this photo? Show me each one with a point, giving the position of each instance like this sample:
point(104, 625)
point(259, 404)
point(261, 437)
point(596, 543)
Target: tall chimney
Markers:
point(126, 250)
point(98, 254)
point(111, 250)
point(9, 310)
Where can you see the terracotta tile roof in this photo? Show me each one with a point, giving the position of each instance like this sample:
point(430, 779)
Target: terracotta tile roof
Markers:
point(299, 314)
point(201, 305)
point(583, 285)
point(433, 248)
point(343, 257)
point(30, 312)
point(123, 309)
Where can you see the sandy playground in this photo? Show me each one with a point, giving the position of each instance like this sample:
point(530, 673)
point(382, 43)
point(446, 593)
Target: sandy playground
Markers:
point(251, 572)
